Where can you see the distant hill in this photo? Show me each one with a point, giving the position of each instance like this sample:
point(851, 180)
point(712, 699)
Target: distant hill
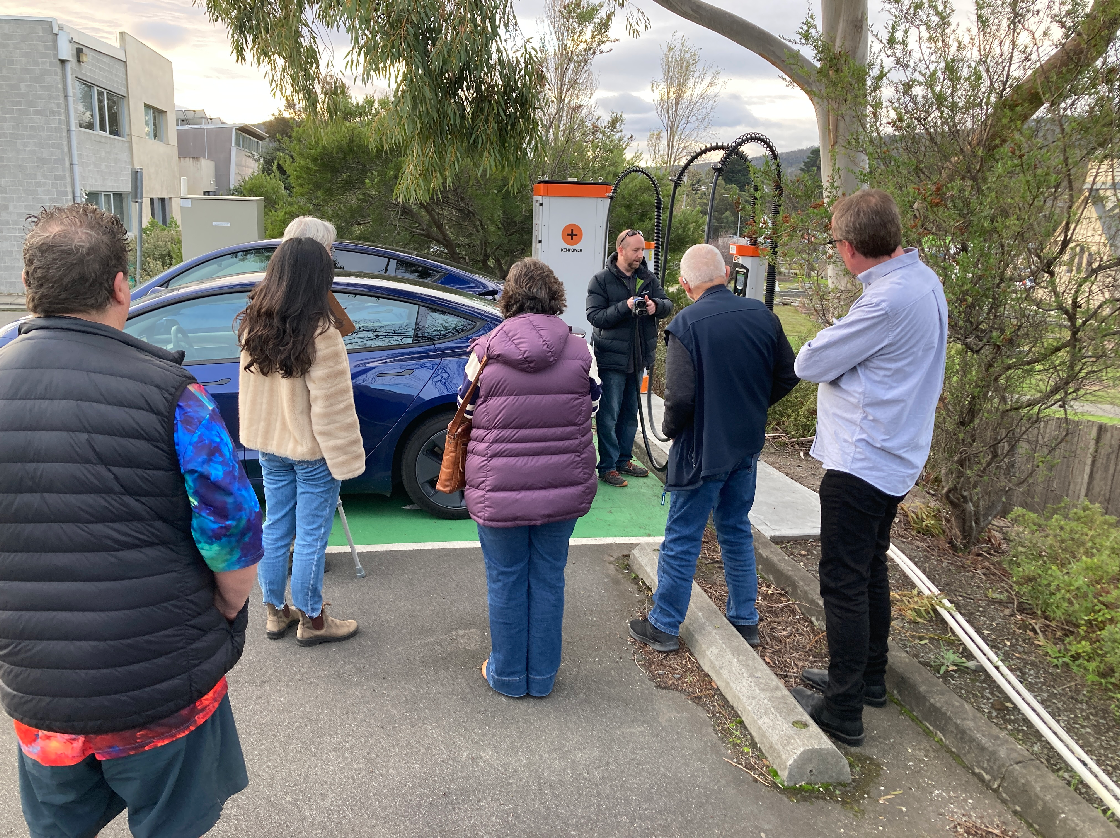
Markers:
point(791, 160)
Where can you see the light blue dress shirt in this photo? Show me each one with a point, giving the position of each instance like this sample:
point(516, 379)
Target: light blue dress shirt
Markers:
point(880, 370)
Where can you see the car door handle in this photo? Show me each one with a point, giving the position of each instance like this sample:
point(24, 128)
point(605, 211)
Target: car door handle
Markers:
point(402, 372)
point(219, 381)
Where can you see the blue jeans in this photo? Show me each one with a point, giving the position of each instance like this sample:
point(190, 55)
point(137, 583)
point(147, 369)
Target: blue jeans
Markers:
point(616, 423)
point(731, 497)
point(525, 594)
point(300, 499)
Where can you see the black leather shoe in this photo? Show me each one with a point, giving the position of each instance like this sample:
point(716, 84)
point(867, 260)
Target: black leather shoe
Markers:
point(818, 680)
point(848, 732)
point(750, 634)
point(660, 641)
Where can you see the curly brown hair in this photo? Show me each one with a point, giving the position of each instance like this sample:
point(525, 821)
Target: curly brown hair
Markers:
point(531, 288)
point(71, 258)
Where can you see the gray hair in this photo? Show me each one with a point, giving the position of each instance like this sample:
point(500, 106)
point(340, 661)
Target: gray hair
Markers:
point(703, 264)
point(310, 227)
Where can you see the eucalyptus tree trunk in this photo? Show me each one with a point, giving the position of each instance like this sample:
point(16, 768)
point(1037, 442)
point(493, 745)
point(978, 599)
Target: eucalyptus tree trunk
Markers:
point(845, 33)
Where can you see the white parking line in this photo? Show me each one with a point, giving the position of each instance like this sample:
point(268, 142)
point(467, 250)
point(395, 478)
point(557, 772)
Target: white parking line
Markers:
point(460, 545)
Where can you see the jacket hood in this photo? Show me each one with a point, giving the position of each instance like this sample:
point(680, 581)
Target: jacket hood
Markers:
point(529, 342)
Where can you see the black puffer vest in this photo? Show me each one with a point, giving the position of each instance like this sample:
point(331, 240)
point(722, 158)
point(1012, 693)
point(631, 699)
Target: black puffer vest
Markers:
point(107, 617)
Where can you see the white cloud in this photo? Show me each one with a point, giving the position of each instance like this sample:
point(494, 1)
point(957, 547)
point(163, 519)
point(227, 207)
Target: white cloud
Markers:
point(206, 76)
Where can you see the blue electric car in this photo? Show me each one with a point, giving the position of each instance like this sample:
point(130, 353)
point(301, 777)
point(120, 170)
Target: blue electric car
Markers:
point(406, 360)
point(349, 257)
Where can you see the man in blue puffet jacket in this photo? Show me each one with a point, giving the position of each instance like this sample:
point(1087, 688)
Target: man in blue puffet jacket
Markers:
point(727, 360)
point(880, 370)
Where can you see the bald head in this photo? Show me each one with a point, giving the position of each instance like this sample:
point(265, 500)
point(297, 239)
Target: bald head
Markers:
point(702, 266)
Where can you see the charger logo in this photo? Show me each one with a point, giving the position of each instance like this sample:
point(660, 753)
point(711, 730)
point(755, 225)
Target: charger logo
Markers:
point(571, 235)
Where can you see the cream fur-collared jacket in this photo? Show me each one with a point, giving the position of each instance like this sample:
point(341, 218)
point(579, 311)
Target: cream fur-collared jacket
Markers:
point(305, 418)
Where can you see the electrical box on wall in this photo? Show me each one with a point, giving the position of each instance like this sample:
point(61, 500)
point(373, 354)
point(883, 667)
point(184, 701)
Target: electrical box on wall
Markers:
point(569, 232)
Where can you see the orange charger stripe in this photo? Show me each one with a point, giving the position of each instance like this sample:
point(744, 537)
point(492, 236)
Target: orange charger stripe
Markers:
point(572, 190)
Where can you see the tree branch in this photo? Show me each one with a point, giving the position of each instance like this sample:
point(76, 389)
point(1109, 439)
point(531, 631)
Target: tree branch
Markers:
point(799, 69)
point(1050, 80)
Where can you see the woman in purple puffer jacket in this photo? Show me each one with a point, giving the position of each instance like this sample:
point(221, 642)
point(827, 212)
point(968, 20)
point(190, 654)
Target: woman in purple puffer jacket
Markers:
point(530, 472)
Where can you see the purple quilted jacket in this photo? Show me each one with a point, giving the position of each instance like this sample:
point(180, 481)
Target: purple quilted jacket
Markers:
point(531, 459)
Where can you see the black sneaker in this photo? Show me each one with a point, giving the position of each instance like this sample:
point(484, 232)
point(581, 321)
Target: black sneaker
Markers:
point(660, 641)
point(750, 634)
point(848, 732)
point(613, 478)
point(633, 469)
point(818, 680)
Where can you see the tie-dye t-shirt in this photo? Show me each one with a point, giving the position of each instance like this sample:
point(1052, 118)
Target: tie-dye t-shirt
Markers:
point(226, 525)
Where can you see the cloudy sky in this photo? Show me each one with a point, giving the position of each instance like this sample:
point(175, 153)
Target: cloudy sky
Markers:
point(756, 98)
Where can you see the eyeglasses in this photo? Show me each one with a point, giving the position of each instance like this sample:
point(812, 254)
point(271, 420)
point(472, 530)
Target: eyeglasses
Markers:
point(833, 242)
point(630, 233)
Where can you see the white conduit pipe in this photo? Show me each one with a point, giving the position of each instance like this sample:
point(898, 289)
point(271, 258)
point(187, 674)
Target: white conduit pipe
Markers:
point(1061, 741)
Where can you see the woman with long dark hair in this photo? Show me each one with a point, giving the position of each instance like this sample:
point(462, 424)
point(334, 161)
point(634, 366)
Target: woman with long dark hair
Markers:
point(296, 404)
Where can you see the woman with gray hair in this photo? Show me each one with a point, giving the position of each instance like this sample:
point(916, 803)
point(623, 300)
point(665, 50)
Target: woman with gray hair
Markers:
point(310, 227)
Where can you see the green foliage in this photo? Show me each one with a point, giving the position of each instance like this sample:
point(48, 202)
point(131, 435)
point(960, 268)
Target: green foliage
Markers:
point(796, 414)
point(465, 82)
point(948, 659)
point(1033, 318)
point(1066, 564)
point(279, 206)
point(162, 247)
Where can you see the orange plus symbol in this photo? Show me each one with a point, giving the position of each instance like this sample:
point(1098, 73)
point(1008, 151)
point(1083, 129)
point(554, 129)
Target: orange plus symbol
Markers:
point(572, 235)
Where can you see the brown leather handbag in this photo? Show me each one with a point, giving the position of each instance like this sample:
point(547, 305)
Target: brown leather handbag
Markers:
point(453, 469)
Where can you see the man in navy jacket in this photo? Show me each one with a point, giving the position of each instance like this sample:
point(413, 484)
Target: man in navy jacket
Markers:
point(727, 361)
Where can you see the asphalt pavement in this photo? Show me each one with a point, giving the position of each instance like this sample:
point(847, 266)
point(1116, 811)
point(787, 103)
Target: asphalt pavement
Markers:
point(395, 733)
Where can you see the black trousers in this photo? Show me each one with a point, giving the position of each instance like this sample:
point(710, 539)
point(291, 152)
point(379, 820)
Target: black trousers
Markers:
point(855, 535)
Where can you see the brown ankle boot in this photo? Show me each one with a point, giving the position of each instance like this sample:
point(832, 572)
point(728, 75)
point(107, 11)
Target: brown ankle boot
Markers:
point(280, 620)
point(324, 629)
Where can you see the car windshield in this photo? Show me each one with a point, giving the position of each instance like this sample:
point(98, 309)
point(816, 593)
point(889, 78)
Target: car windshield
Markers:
point(228, 264)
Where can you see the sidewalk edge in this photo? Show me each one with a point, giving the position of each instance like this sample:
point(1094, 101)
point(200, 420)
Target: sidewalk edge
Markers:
point(1027, 786)
point(795, 747)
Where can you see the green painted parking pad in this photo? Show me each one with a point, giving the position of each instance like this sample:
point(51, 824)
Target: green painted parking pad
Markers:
point(634, 511)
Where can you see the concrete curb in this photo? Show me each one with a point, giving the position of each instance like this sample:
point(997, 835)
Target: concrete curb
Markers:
point(795, 747)
point(1025, 784)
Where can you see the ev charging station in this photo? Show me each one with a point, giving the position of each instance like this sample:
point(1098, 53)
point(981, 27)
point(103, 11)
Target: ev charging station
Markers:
point(748, 276)
point(569, 235)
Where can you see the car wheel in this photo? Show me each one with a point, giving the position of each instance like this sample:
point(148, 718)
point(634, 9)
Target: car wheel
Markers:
point(420, 462)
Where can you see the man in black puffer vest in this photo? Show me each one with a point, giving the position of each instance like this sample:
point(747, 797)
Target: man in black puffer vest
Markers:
point(129, 537)
point(624, 301)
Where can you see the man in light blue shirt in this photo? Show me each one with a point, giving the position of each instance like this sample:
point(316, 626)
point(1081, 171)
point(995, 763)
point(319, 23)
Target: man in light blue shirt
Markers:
point(880, 371)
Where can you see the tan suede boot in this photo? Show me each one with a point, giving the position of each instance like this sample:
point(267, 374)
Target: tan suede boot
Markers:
point(281, 620)
point(324, 629)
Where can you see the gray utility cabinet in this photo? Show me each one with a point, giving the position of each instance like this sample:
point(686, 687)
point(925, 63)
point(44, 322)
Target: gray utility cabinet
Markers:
point(214, 221)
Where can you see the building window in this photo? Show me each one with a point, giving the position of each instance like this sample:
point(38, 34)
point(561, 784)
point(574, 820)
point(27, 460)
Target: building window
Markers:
point(115, 202)
point(249, 144)
point(155, 122)
point(99, 110)
point(160, 210)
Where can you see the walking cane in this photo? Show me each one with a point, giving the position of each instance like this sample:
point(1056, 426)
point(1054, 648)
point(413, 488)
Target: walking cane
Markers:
point(359, 571)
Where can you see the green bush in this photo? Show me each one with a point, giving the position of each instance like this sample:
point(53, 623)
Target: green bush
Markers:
point(163, 249)
point(1066, 564)
point(796, 414)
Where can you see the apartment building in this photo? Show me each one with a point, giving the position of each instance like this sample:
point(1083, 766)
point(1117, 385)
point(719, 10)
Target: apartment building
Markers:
point(80, 114)
point(234, 148)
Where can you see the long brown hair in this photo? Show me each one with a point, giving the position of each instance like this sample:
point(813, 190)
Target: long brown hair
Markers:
point(288, 310)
